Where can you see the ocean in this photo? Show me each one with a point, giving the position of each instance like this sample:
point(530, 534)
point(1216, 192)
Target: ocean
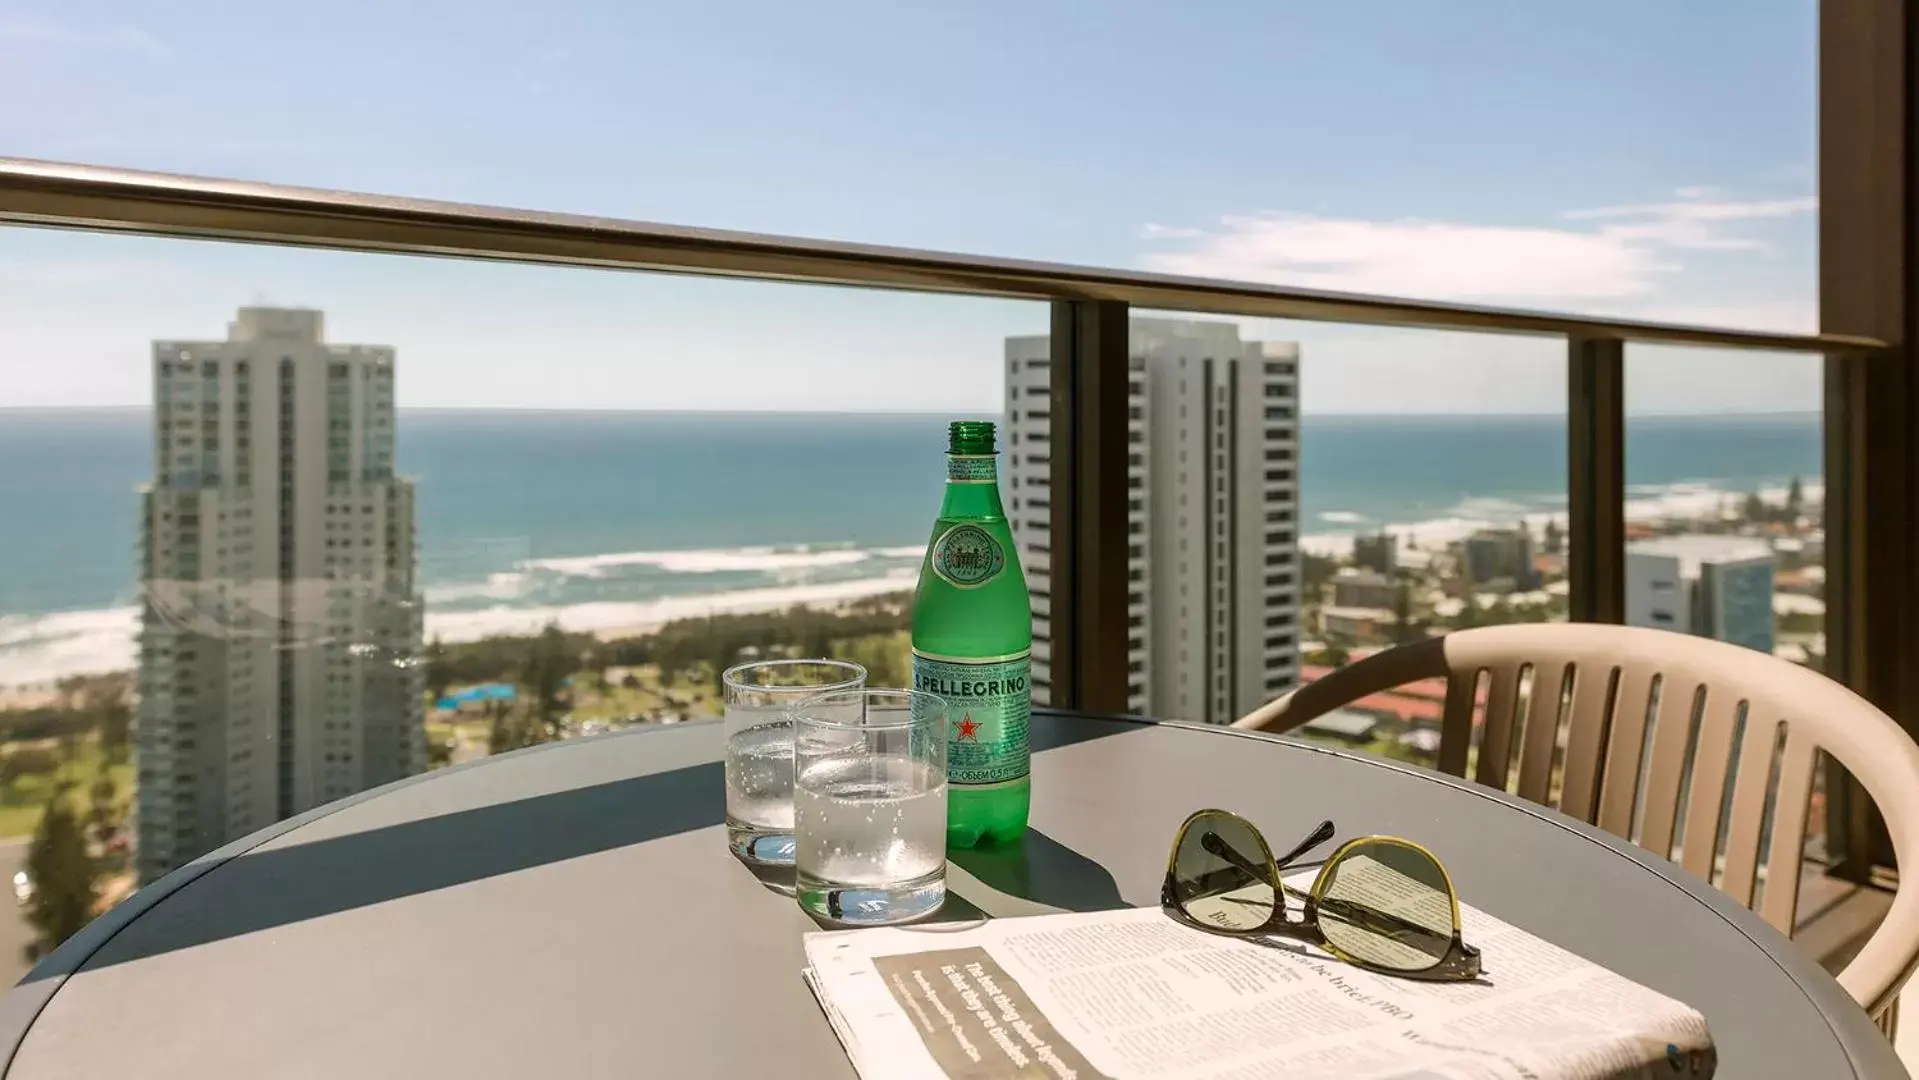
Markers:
point(609, 519)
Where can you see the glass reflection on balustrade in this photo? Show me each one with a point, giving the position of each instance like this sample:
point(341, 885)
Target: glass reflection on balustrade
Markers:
point(262, 555)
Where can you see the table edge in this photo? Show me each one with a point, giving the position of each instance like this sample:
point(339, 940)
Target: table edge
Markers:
point(24, 1002)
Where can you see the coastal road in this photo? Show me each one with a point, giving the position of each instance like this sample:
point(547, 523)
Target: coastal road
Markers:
point(14, 931)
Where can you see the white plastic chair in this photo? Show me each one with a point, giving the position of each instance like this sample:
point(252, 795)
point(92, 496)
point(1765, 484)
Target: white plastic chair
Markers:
point(1621, 702)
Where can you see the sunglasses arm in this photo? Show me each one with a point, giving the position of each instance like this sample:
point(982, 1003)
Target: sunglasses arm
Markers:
point(1217, 844)
point(1318, 836)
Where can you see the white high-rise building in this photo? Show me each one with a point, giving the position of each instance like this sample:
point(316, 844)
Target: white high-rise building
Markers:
point(280, 640)
point(1213, 491)
point(1709, 585)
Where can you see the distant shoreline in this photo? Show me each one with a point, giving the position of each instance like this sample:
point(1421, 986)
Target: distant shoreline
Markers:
point(103, 640)
point(35, 650)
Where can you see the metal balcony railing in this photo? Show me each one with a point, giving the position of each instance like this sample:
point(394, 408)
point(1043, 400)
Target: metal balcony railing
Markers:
point(119, 200)
point(1088, 575)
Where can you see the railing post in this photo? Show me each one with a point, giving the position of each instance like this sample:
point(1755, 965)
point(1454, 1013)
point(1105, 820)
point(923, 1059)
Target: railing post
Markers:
point(1596, 481)
point(1089, 601)
point(1867, 176)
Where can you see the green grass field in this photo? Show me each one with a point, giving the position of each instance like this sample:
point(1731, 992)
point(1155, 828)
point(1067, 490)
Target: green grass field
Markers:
point(23, 799)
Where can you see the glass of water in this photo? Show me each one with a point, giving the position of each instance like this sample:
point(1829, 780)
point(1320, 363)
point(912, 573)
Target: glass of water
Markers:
point(869, 802)
point(760, 699)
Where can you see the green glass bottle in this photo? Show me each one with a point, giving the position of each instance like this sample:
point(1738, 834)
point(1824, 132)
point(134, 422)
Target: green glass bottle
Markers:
point(973, 644)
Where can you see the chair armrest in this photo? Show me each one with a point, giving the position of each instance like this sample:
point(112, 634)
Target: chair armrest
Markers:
point(1380, 671)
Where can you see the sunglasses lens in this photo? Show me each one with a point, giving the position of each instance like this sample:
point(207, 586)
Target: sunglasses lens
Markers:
point(1223, 873)
point(1387, 904)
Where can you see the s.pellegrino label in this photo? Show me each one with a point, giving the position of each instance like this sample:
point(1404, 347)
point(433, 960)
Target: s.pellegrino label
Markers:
point(972, 468)
point(967, 557)
point(972, 645)
point(989, 704)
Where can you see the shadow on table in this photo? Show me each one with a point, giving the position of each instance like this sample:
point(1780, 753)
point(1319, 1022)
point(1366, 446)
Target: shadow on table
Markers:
point(1036, 876)
point(274, 886)
point(1052, 730)
point(285, 881)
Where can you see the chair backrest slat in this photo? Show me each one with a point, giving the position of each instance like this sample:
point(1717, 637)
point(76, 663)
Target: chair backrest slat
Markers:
point(1619, 786)
point(1666, 767)
point(1456, 724)
point(1779, 904)
point(1496, 741)
point(1541, 738)
point(1706, 795)
point(1751, 791)
point(1594, 684)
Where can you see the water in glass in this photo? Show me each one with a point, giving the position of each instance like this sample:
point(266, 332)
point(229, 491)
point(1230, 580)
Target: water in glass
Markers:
point(759, 749)
point(872, 821)
point(870, 806)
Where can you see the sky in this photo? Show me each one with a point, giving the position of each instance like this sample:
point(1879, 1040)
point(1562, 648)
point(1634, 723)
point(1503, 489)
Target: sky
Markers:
point(1638, 158)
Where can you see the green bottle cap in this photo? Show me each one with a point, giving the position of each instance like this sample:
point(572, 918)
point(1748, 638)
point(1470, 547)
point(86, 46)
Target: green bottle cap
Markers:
point(970, 437)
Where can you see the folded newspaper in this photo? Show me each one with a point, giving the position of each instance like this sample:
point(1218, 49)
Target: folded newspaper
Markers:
point(1119, 995)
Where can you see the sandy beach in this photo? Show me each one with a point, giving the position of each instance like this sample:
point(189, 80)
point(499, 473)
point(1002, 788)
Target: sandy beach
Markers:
point(37, 650)
point(34, 652)
point(1672, 502)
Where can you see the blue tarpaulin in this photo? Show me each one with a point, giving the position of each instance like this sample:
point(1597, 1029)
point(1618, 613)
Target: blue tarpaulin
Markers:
point(482, 692)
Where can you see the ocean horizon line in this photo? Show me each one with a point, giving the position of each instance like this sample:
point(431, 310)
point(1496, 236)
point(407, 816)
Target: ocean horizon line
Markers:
point(515, 410)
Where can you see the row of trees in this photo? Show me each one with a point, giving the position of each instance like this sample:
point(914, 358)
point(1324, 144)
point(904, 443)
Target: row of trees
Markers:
point(74, 845)
point(1760, 512)
point(499, 659)
point(545, 666)
point(689, 647)
point(542, 664)
point(89, 705)
point(62, 861)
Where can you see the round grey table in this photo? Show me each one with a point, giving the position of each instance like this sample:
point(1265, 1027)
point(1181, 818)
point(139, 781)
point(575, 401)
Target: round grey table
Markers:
point(571, 911)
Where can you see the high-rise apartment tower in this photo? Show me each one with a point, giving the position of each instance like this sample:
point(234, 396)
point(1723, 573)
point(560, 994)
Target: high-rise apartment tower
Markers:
point(1212, 502)
point(280, 642)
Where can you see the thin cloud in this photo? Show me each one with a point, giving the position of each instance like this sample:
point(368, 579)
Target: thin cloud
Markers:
point(1418, 258)
point(1701, 209)
point(1623, 255)
point(1695, 222)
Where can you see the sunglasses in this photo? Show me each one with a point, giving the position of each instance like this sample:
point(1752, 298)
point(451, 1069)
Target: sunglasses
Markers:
point(1379, 902)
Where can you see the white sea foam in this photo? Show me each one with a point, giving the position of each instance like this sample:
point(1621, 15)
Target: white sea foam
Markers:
point(767, 560)
point(1652, 503)
point(1484, 508)
point(35, 650)
point(500, 586)
point(1694, 498)
point(640, 616)
point(41, 648)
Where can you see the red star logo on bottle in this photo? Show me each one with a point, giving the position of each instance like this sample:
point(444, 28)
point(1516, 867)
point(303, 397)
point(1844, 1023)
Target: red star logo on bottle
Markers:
point(968, 729)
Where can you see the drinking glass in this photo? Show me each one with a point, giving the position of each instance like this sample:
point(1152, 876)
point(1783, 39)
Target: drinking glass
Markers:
point(760, 699)
point(869, 803)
